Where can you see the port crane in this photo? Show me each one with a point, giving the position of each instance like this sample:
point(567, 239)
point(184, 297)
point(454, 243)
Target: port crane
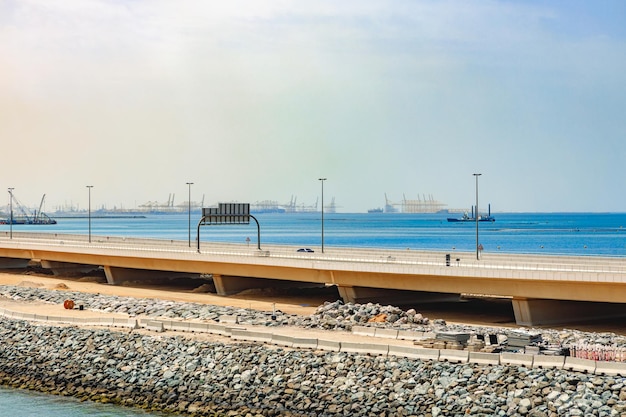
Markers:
point(38, 217)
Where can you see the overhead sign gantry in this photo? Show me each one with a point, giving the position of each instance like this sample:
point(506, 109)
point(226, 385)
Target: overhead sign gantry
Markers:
point(228, 213)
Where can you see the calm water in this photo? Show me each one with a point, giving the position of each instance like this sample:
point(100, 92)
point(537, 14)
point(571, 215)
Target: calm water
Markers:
point(553, 233)
point(20, 403)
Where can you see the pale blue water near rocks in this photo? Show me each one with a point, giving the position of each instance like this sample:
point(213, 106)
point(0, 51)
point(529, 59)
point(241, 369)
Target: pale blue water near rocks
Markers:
point(20, 403)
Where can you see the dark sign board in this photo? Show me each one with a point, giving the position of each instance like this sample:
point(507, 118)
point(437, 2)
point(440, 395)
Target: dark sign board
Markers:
point(227, 213)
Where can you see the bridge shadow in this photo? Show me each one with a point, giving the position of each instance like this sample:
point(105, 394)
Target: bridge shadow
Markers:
point(479, 311)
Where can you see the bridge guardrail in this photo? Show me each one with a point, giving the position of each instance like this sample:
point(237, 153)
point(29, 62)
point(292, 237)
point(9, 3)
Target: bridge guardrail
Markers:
point(385, 258)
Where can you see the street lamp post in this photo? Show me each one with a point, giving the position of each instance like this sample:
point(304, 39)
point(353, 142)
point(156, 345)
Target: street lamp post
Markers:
point(322, 180)
point(89, 187)
point(476, 218)
point(189, 184)
point(11, 213)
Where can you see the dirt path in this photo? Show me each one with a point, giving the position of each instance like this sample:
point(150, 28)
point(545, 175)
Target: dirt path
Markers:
point(290, 305)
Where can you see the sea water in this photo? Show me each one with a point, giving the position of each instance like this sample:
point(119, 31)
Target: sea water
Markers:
point(21, 403)
point(575, 234)
point(578, 234)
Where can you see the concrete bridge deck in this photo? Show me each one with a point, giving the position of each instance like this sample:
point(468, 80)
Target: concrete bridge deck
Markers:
point(543, 289)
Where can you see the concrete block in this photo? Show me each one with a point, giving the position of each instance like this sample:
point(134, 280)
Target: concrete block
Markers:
point(329, 345)
point(580, 365)
point(426, 354)
point(154, 325)
point(364, 348)
point(410, 352)
point(409, 335)
point(177, 326)
point(548, 361)
point(106, 321)
point(282, 340)
point(229, 319)
point(218, 329)
point(251, 336)
point(386, 333)
point(195, 327)
point(453, 355)
point(484, 358)
point(364, 330)
point(120, 322)
point(610, 368)
point(304, 343)
point(508, 358)
point(230, 329)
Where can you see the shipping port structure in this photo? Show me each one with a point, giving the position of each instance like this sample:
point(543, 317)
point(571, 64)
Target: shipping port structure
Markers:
point(425, 204)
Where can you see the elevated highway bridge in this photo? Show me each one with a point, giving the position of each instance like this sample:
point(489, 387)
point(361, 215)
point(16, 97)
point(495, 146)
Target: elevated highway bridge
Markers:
point(542, 289)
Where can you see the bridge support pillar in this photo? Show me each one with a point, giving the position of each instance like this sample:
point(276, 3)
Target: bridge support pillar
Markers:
point(116, 275)
point(533, 311)
point(363, 295)
point(228, 284)
point(13, 263)
point(67, 269)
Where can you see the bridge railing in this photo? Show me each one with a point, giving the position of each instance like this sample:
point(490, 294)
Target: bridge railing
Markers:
point(388, 257)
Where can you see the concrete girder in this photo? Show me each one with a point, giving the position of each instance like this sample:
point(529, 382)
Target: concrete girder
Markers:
point(67, 268)
point(228, 284)
point(13, 263)
point(363, 295)
point(116, 275)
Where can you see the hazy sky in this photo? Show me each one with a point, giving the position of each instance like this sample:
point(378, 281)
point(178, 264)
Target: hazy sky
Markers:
point(256, 100)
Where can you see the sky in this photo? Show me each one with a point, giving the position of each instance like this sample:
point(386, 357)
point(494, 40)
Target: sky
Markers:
point(256, 100)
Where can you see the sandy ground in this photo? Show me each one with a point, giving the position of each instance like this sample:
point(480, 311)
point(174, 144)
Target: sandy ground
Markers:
point(492, 314)
point(289, 305)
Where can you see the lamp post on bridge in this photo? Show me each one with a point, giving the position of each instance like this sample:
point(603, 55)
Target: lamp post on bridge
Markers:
point(89, 187)
point(189, 184)
point(322, 181)
point(11, 213)
point(476, 218)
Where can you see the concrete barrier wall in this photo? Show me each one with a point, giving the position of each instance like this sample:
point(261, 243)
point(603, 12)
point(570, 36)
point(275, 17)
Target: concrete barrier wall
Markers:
point(364, 330)
point(282, 340)
point(304, 343)
point(364, 348)
point(241, 333)
point(581, 365)
point(523, 359)
point(452, 355)
point(547, 361)
point(329, 345)
point(484, 358)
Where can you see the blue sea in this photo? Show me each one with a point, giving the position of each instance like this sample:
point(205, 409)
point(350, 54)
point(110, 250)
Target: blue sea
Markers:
point(593, 234)
point(576, 234)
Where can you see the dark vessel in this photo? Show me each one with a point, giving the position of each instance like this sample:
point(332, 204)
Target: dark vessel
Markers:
point(38, 217)
point(467, 218)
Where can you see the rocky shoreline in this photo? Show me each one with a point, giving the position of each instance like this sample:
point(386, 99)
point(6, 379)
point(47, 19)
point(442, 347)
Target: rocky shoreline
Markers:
point(193, 377)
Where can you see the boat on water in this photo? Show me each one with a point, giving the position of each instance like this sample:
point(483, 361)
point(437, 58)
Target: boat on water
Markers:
point(41, 219)
point(375, 210)
point(37, 218)
point(472, 218)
